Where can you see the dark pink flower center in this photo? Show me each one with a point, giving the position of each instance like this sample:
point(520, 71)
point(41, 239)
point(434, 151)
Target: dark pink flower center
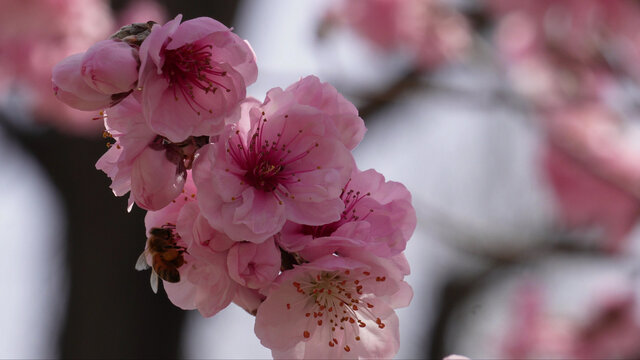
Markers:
point(269, 163)
point(337, 304)
point(350, 198)
point(189, 69)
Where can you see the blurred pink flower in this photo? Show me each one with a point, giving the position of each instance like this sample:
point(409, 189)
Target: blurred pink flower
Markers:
point(192, 75)
point(141, 11)
point(559, 51)
point(431, 31)
point(611, 329)
point(531, 334)
point(37, 34)
point(593, 165)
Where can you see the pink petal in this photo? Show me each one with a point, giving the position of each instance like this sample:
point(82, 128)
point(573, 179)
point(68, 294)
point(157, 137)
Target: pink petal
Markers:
point(70, 88)
point(154, 181)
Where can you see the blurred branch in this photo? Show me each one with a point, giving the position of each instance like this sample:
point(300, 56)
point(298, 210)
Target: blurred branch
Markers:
point(376, 101)
point(461, 233)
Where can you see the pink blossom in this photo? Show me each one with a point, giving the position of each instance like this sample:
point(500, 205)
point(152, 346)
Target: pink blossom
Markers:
point(204, 282)
point(282, 161)
point(110, 67)
point(254, 265)
point(377, 213)
point(140, 161)
point(192, 75)
point(335, 307)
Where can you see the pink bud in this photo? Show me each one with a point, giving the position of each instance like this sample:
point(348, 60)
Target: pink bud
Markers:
point(70, 88)
point(110, 67)
point(155, 180)
point(254, 265)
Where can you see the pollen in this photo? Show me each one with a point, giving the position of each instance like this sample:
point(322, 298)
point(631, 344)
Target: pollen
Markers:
point(329, 291)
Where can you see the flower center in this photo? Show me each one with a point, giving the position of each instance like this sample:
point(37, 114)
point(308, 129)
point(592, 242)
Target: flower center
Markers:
point(337, 304)
point(263, 176)
point(267, 163)
point(189, 69)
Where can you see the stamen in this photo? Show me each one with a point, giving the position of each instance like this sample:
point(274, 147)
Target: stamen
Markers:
point(333, 291)
point(189, 69)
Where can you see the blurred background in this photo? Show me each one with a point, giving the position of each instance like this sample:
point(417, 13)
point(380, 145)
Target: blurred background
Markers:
point(514, 123)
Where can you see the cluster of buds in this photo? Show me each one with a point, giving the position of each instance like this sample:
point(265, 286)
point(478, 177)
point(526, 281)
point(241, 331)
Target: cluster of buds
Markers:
point(256, 203)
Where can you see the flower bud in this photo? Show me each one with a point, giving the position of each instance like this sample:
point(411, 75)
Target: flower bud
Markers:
point(70, 88)
point(110, 67)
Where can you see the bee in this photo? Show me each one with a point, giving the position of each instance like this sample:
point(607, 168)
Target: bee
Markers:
point(166, 256)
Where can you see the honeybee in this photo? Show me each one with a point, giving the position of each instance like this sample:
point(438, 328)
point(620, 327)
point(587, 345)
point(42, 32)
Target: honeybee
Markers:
point(166, 256)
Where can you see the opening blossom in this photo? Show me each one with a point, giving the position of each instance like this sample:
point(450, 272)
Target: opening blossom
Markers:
point(259, 204)
point(143, 162)
point(378, 214)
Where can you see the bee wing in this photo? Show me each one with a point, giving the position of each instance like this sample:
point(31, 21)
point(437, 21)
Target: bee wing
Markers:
point(154, 281)
point(141, 264)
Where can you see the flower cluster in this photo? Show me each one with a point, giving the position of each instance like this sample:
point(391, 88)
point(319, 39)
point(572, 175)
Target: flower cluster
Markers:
point(256, 203)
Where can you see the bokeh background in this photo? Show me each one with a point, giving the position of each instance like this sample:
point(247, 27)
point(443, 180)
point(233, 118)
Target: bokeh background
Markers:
point(514, 123)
